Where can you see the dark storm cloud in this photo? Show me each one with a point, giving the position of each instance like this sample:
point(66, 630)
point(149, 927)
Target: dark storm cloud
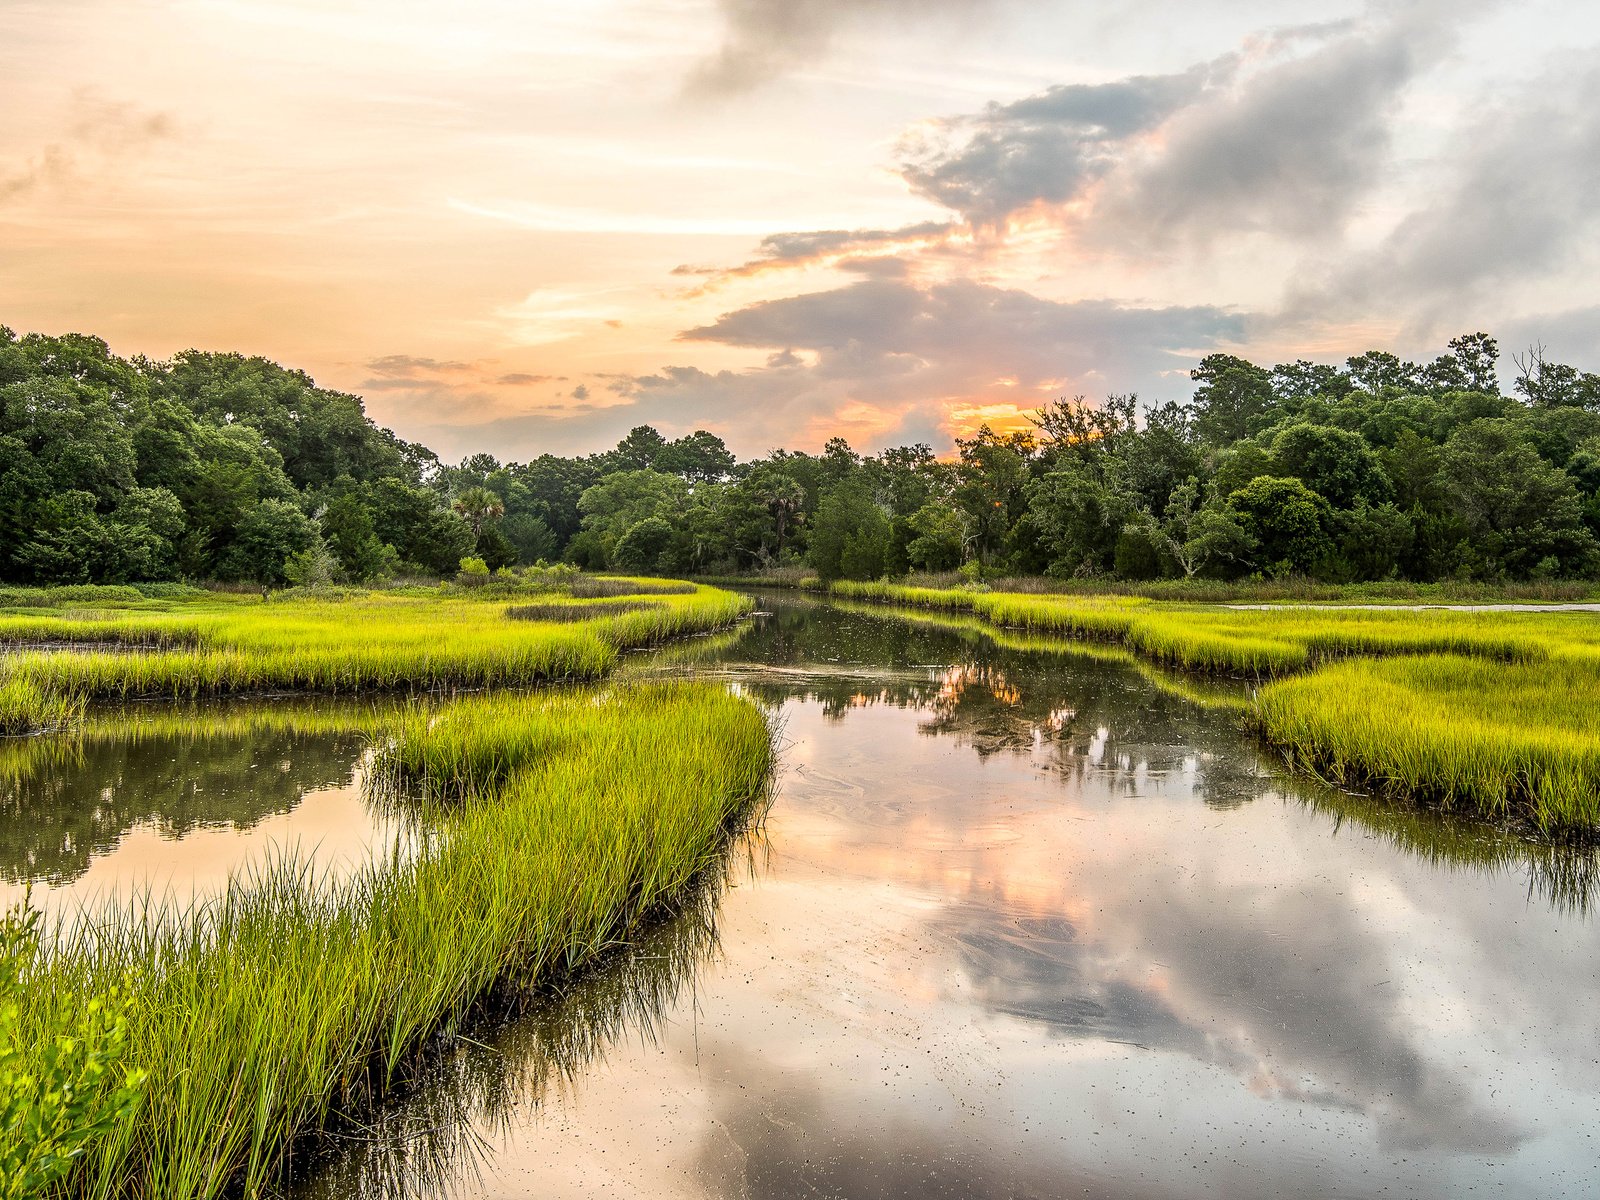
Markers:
point(764, 38)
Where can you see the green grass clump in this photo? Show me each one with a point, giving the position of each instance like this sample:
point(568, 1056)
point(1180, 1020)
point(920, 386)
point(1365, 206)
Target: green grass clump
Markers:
point(26, 708)
point(1504, 739)
point(373, 641)
point(1260, 643)
point(1498, 713)
point(290, 1003)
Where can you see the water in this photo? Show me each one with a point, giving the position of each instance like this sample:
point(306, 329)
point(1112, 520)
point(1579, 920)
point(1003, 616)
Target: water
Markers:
point(1033, 922)
point(168, 801)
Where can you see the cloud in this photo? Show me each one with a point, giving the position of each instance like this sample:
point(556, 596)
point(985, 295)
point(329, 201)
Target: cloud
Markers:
point(523, 379)
point(841, 247)
point(99, 134)
point(1274, 137)
point(763, 39)
point(1045, 148)
point(405, 372)
point(1285, 135)
point(883, 359)
point(1514, 204)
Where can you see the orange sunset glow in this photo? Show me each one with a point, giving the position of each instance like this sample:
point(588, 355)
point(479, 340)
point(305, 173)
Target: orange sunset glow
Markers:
point(529, 227)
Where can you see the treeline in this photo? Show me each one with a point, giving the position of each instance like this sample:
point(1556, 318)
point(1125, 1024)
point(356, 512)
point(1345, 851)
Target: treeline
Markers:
point(218, 466)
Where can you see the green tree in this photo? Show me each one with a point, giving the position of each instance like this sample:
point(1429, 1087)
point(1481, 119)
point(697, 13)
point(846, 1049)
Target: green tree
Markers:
point(1518, 509)
point(639, 450)
point(1290, 524)
point(699, 457)
point(1199, 537)
point(940, 538)
point(268, 536)
point(850, 534)
point(478, 506)
point(1234, 400)
point(1335, 463)
point(643, 546)
point(991, 487)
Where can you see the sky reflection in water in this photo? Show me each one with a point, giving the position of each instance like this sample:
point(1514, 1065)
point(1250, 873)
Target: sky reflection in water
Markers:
point(1030, 924)
point(172, 799)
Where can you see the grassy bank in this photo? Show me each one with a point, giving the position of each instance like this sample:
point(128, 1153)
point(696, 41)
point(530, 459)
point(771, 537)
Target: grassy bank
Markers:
point(224, 645)
point(558, 823)
point(1510, 740)
point(1216, 591)
point(1494, 713)
point(1250, 642)
point(1293, 590)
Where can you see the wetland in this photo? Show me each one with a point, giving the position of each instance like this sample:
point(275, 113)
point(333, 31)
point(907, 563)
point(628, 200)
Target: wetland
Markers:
point(1026, 917)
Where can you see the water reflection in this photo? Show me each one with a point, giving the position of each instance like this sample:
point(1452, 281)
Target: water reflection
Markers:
point(478, 1087)
point(1040, 922)
point(1101, 709)
point(141, 795)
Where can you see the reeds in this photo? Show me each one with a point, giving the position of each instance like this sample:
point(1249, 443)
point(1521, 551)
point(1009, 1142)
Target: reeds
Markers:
point(1495, 712)
point(1259, 643)
point(372, 642)
point(1507, 740)
point(289, 1003)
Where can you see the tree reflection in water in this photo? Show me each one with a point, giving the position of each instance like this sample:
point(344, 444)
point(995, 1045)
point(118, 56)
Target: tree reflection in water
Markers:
point(1097, 708)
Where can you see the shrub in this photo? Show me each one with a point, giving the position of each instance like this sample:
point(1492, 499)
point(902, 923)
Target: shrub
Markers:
point(66, 1086)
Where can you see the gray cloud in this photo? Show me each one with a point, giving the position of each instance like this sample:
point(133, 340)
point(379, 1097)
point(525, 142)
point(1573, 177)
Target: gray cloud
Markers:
point(852, 249)
point(406, 372)
point(1044, 148)
point(409, 366)
point(1515, 202)
point(1276, 137)
point(1287, 150)
point(524, 379)
point(911, 352)
point(764, 38)
point(895, 326)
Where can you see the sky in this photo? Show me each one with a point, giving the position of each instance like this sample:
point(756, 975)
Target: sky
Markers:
point(525, 226)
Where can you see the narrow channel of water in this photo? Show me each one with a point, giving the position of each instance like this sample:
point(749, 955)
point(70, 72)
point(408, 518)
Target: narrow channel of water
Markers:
point(1032, 924)
point(167, 801)
point(1027, 919)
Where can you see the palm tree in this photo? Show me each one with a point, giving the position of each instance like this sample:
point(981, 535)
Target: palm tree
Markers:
point(477, 505)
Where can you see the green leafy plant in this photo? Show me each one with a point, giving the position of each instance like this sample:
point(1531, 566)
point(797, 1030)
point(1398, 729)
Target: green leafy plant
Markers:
point(66, 1086)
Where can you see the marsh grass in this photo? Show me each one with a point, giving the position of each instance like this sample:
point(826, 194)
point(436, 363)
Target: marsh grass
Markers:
point(1510, 740)
point(288, 1004)
point(1257, 643)
point(370, 642)
point(576, 610)
point(1495, 713)
point(436, 1136)
point(597, 587)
